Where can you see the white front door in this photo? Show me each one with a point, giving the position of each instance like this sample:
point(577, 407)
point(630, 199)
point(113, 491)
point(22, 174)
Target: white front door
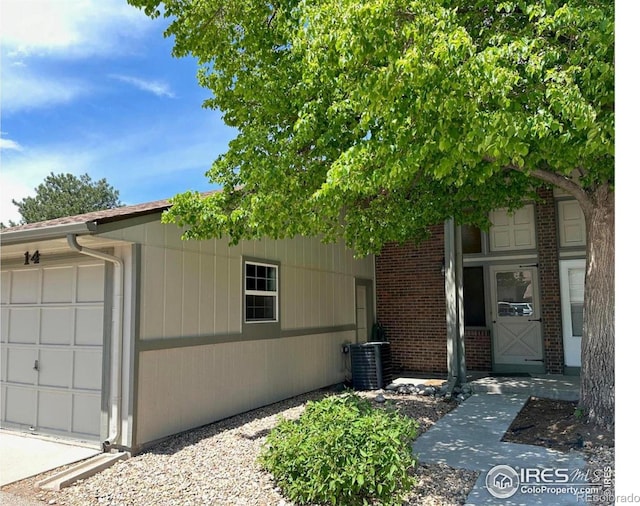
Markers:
point(51, 347)
point(572, 302)
point(517, 328)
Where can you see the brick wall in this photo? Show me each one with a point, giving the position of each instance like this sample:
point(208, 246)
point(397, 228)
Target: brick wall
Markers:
point(477, 347)
point(410, 303)
point(548, 271)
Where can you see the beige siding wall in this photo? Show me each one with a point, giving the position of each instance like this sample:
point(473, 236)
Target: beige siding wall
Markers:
point(194, 289)
point(187, 387)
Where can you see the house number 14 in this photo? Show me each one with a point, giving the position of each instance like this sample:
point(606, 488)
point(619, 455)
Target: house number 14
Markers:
point(28, 258)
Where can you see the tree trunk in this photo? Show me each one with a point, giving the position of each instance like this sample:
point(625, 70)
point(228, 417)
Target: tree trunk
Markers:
point(598, 336)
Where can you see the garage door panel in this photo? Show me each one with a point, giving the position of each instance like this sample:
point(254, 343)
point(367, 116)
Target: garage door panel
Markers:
point(24, 286)
point(90, 283)
point(4, 324)
point(23, 325)
point(5, 283)
point(86, 414)
point(20, 405)
point(53, 410)
point(20, 366)
point(4, 352)
point(55, 368)
point(57, 284)
point(89, 321)
point(56, 325)
point(86, 364)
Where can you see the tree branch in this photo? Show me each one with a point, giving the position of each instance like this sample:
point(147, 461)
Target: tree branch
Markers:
point(562, 182)
point(272, 17)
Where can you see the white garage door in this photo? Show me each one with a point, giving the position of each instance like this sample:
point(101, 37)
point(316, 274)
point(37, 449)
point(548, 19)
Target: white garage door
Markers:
point(52, 333)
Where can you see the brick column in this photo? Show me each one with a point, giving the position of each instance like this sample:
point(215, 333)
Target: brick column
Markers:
point(549, 272)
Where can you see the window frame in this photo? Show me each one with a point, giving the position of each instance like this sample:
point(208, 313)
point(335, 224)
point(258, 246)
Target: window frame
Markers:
point(261, 293)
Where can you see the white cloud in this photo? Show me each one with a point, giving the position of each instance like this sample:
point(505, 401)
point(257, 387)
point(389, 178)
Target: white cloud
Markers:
point(22, 89)
point(158, 88)
point(68, 28)
point(8, 144)
point(11, 188)
point(36, 35)
point(22, 171)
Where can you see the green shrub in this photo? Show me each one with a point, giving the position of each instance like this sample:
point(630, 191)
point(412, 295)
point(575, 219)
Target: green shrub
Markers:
point(342, 451)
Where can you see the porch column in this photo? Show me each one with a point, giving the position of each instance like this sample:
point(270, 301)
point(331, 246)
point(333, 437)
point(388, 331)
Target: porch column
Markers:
point(456, 364)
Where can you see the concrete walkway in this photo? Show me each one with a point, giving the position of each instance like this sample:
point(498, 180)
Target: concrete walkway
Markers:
point(562, 388)
point(469, 438)
point(24, 456)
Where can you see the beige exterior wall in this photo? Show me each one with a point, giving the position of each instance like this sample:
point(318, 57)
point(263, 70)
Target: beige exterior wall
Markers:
point(193, 289)
point(187, 387)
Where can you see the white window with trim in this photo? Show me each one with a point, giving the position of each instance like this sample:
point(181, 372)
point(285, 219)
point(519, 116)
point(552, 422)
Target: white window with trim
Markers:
point(260, 292)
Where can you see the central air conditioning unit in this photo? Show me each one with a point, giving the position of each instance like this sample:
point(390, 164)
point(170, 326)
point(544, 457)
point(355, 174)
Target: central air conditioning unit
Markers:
point(370, 365)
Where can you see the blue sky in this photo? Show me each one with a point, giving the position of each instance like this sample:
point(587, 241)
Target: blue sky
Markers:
point(91, 86)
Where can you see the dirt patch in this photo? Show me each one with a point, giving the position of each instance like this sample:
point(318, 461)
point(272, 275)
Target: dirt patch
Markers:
point(557, 425)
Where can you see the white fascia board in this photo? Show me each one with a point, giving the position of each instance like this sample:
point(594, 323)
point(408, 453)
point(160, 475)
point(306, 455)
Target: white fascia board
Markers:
point(53, 232)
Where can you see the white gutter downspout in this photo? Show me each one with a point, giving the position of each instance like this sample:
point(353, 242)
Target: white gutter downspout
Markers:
point(116, 336)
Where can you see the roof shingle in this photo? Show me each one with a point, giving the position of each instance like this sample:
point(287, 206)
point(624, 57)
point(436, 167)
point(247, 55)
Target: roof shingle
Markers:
point(104, 216)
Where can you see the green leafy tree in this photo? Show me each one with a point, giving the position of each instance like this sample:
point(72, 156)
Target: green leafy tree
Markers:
point(67, 195)
point(371, 119)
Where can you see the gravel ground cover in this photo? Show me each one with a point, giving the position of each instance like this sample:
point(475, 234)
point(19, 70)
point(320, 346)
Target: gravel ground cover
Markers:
point(216, 465)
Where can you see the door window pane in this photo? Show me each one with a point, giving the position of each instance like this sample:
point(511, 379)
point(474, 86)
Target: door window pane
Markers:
point(515, 293)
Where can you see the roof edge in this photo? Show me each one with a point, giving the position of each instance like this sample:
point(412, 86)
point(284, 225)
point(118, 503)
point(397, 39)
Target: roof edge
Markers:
point(40, 234)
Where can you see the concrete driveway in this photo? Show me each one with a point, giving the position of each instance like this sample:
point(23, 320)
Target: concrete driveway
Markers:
point(23, 456)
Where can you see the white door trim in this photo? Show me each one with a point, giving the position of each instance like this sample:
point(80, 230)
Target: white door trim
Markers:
point(572, 344)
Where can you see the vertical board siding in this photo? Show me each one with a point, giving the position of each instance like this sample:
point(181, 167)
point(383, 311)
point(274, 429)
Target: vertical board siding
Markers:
point(194, 288)
point(173, 277)
point(187, 387)
point(152, 286)
point(221, 290)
